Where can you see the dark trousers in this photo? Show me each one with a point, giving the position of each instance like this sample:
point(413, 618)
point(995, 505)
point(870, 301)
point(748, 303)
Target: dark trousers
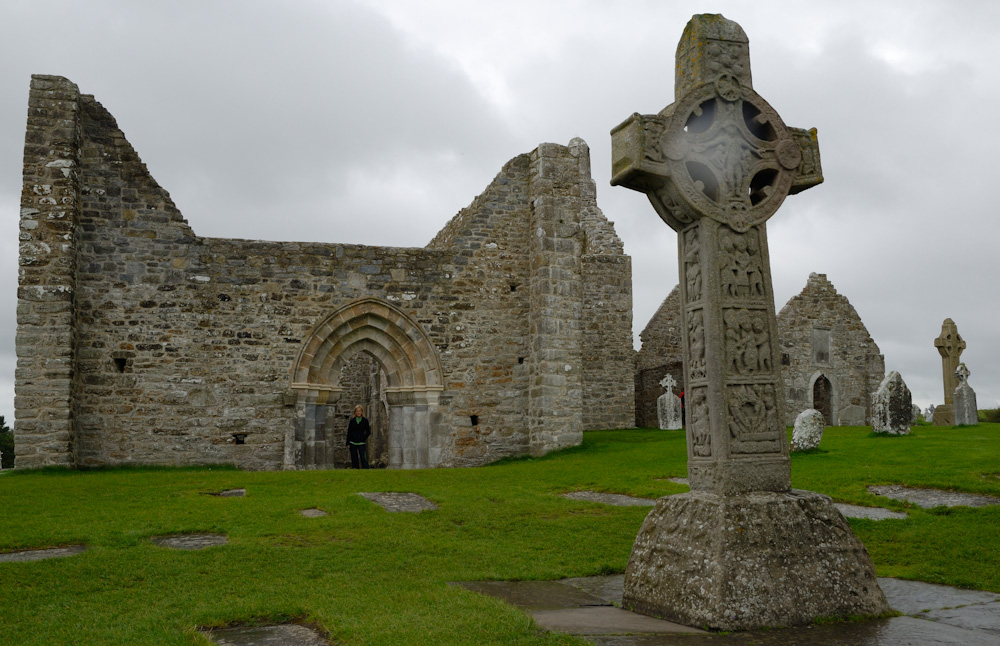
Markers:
point(359, 453)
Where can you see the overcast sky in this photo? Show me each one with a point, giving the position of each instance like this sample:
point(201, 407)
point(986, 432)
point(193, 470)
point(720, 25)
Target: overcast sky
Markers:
point(375, 121)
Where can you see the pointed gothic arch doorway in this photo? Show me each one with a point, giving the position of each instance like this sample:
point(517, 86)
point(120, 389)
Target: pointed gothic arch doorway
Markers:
point(410, 380)
point(823, 398)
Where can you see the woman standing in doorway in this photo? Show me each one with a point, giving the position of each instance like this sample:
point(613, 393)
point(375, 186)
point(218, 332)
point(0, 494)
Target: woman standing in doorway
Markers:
point(358, 431)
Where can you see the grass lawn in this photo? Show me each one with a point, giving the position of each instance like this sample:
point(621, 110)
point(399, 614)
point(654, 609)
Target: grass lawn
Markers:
point(370, 577)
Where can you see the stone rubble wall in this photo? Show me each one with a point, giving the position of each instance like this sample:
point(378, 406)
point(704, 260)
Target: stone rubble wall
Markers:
point(854, 364)
point(142, 343)
point(45, 388)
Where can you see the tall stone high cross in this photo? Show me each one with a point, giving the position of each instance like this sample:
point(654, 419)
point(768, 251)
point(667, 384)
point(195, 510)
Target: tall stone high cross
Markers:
point(950, 345)
point(741, 549)
point(716, 164)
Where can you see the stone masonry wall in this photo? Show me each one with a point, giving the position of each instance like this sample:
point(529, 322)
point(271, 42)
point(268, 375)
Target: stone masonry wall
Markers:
point(822, 336)
point(140, 342)
point(50, 211)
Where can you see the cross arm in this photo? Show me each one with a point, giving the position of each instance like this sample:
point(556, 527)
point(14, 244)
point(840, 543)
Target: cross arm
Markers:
point(810, 172)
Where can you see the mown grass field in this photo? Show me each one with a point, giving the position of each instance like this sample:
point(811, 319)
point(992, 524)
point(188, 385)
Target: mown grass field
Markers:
point(370, 577)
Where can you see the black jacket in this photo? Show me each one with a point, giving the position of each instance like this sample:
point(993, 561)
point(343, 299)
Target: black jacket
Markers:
point(358, 432)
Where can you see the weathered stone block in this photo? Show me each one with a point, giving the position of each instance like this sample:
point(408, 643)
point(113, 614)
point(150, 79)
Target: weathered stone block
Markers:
point(808, 431)
point(749, 561)
point(892, 406)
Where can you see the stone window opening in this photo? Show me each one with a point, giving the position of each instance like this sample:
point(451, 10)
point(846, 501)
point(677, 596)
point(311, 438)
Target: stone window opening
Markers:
point(474, 419)
point(120, 363)
point(821, 345)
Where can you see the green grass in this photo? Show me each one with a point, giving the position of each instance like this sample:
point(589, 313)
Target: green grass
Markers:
point(370, 577)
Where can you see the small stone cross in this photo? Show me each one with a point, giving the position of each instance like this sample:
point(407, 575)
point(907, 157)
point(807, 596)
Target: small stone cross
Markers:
point(716, 164)
point(962, 373)
point(668, 383)
point(950, 345)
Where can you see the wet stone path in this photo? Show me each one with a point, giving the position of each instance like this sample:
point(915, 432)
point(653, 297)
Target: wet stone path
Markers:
point(934, 615)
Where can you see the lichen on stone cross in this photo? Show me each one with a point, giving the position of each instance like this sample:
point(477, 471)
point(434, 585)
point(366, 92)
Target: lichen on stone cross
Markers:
point(962, 374)
point(950, 345)
point(668, 383)
point(716, 164)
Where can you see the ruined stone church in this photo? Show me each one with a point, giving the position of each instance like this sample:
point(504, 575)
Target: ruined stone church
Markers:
point(829, 361)
point(140, 342)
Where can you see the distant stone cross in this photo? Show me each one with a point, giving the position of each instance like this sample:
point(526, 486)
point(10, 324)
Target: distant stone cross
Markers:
point(950, 346)
point(716, 164)
point(668, 383)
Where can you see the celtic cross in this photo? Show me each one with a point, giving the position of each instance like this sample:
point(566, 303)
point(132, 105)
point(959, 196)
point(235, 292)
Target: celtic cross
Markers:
point(950, 345)
point(668, 383)
point(716, 164)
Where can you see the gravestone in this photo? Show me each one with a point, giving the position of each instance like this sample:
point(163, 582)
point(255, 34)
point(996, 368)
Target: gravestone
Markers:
point(915, 413)
point(668, 406)
point(808, 430)
point(964, 399)
point(741, 550)
point(892, 406)
point(949, 345)
point(929, 414)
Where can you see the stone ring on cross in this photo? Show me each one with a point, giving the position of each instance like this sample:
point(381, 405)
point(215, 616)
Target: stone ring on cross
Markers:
point(729, 154)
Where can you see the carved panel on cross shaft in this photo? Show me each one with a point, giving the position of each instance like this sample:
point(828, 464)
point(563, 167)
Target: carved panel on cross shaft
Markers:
point(692, 265)
point(698, 423)
point(748, 342)
point(696, 339)
point(753, 419)
point(740, 265)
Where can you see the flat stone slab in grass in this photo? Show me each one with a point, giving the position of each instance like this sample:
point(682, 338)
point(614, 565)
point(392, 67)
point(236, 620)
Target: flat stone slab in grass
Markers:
point(190, 541)
point(873, 513)
point(394, 501)
point(928, 498)
point(24, 556)
point(313, 513)
point(231, 493)
point(616, 499)
point(683, 481)
point(282, 635)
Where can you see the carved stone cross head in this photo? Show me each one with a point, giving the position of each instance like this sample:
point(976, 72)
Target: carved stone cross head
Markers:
point(950, 343)
point(962, 373)
point(720, 150)
point(668, 383)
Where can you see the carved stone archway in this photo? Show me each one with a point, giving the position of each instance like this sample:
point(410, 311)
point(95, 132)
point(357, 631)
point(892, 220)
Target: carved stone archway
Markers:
point(414, 381)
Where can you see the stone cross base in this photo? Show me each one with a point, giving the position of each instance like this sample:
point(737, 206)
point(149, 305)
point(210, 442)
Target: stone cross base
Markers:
point(944, 415)
point(749, 561)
